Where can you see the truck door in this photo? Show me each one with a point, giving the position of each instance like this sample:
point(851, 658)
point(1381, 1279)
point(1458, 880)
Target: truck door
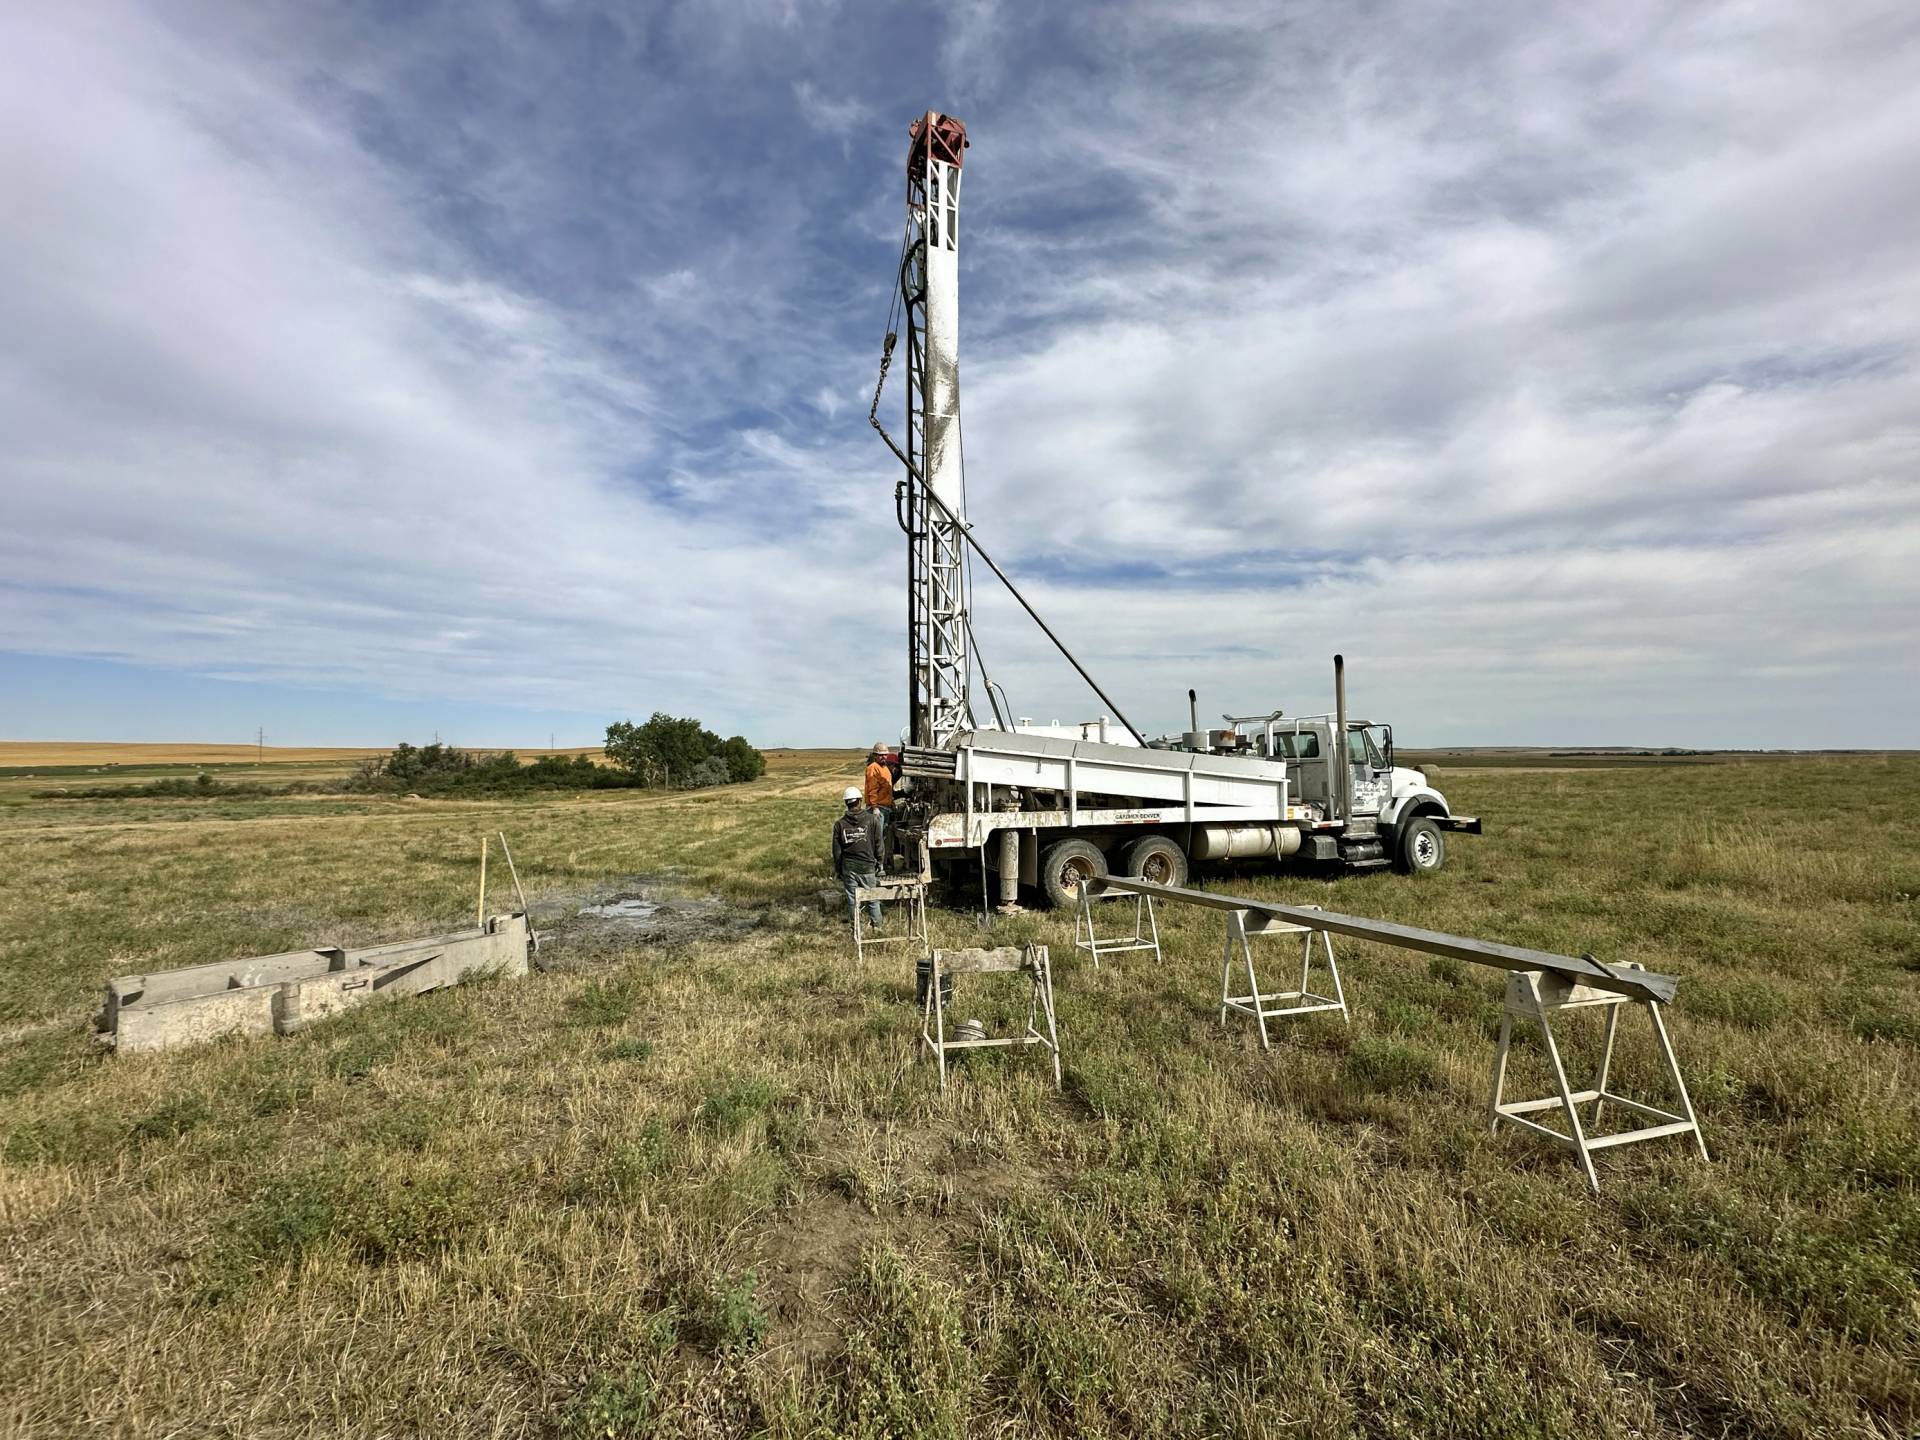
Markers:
point(1306, 769)
point(1372, 777)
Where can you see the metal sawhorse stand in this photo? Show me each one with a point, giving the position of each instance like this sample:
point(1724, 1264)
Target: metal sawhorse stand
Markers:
point(1146, 928)
point(1242, 927)
point(1031, 961)
point(907, 890)
point(1537, 996)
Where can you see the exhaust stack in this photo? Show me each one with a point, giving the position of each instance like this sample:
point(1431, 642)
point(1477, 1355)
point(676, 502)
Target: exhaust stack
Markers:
point(1196, 737)
point(1342, 790)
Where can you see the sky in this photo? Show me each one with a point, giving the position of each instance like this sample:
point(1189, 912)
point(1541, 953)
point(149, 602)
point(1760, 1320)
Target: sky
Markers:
point(500, 368)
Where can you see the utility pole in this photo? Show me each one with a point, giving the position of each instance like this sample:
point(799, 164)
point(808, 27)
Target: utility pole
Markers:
point(260, 741)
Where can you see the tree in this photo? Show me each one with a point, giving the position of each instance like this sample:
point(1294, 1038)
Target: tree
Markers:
point(441, 769)
point(669, 749)
point(410, 763)
point(710, 771)
point(743, 761)
point(622, 746)
point(665, 742)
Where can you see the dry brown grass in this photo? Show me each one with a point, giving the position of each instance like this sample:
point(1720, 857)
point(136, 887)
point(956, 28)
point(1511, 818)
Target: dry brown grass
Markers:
point(16, 753)
point(703, 1189)
point(102, 752)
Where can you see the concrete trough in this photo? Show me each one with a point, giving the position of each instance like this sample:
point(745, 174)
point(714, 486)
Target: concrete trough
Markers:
point(282, 994)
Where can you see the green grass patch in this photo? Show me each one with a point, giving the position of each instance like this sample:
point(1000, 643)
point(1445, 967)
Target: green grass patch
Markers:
point(411, 1217)
point(37, 1061)
point(604, 1002)
point(909, 1367)
point(169, 1120)
point(733, 1103)
point(612, 1408)
point(726, 1316)
point(1380, 1063)
point(1750, 1003)
point(631, 1167)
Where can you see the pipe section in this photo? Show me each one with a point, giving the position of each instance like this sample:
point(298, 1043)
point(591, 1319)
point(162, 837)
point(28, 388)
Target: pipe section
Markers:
point(1342, 769)
point(1195, 739)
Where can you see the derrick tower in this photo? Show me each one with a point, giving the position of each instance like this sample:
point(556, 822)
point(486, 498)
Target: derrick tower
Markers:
point(938, 626)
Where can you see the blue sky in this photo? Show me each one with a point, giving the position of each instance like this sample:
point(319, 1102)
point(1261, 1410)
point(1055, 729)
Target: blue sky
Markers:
point(501, 369)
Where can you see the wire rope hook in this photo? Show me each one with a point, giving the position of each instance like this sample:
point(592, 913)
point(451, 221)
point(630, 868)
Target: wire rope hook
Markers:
point(886, 359)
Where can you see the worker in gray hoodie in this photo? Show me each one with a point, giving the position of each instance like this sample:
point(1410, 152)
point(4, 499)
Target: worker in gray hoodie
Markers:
point(856, 853)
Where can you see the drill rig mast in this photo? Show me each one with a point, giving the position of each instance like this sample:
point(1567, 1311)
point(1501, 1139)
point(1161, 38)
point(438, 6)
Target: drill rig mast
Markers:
point(939, 667)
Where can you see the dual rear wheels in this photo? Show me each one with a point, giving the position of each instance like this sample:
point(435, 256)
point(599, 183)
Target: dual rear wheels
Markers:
point(1066, 865)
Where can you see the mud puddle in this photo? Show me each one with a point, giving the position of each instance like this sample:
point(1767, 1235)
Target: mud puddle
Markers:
point(633, 910)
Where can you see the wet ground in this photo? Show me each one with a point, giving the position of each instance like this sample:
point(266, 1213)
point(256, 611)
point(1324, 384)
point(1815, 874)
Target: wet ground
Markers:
point(629, 909)
point(633, 910)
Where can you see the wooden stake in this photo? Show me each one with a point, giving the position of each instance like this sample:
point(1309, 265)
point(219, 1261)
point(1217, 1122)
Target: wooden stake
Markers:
point(480, 909)
point(514, 870)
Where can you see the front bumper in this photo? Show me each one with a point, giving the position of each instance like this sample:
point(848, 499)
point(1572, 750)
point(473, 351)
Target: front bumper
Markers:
point(1466, 824)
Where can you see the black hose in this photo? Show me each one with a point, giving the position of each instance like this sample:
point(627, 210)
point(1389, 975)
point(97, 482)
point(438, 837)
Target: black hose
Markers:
point(873, 419)
point(1012, 589)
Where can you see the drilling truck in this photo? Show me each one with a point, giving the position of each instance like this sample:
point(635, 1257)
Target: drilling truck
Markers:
point(1047, 806)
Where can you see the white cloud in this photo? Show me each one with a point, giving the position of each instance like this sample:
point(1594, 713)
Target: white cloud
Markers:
point(251, 432)
point(1580, 308)
point(1557, 365)
point(837, 117)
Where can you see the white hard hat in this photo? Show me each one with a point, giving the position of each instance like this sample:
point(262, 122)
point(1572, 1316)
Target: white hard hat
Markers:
point(852, 793)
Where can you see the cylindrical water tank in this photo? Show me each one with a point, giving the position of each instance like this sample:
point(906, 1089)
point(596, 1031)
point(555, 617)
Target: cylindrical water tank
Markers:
point(1243, 842)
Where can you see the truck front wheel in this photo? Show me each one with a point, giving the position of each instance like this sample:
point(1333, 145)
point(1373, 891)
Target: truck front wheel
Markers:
point(1420, 848)
point(1155, 859)
point(1064, 866)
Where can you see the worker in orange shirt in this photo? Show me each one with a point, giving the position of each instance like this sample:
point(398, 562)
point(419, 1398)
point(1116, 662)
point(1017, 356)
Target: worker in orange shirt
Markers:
point(879, 794)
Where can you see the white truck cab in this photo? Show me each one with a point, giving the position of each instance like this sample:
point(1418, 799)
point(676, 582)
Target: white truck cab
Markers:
point(1384, 799)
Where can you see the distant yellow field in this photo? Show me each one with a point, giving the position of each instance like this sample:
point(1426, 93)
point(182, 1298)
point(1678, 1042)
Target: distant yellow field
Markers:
point(94, 752)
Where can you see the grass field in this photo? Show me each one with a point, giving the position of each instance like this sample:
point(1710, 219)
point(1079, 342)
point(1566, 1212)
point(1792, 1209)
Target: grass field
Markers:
point(67, 754)
point(92, 765)
point(701, 1187)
